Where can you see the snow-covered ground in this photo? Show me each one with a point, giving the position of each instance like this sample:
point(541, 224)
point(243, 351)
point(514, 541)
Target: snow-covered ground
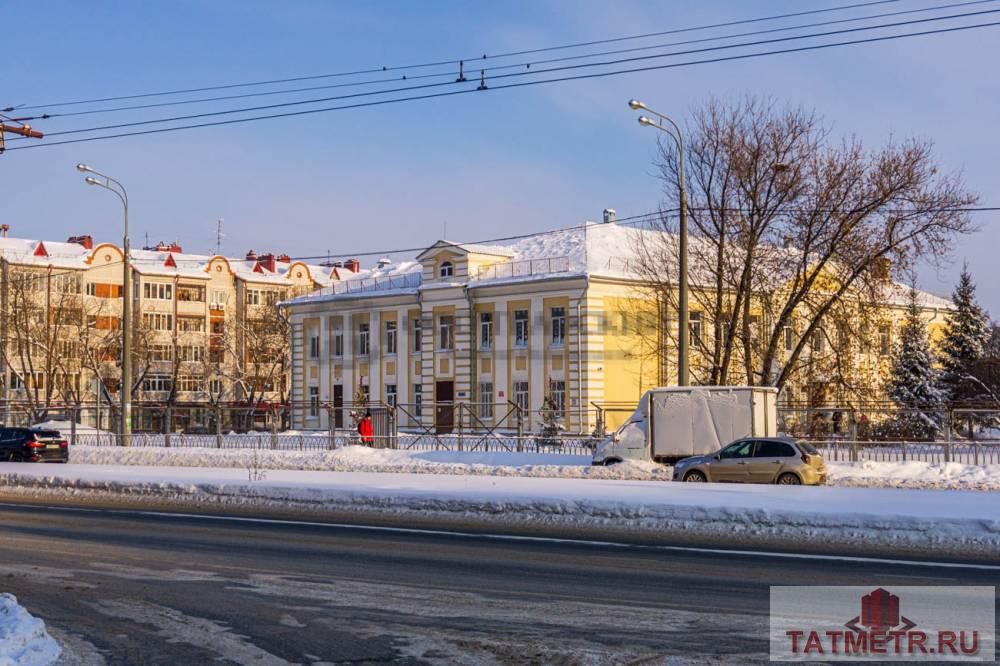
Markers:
point(364, 459)
point(897, 521)
point(23, 638)
point(911, 474)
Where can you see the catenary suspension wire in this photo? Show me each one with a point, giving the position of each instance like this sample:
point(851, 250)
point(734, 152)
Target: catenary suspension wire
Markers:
point(606, 63)
point(520, 65)
point(457, 60)
point(522, 84)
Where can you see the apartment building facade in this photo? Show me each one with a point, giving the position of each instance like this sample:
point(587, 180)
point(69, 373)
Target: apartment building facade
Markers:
point(206, 330)
point(548, 321)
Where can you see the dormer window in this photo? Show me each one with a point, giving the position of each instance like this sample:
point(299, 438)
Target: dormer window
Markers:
point(446, 269)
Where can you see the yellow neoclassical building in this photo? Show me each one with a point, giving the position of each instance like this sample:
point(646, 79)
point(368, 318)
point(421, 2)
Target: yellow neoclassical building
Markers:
point(478, 329)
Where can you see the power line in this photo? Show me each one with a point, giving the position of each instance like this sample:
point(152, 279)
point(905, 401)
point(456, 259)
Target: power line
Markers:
point(578, 77)
point(457, 60)
point(520, 65)
point(606, 63)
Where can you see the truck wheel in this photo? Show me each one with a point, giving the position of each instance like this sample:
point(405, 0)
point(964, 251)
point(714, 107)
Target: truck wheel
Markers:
point(789, 479)
point(695, 476)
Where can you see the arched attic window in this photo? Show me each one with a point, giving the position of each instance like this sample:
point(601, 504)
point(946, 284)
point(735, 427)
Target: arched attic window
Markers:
point(446, 269)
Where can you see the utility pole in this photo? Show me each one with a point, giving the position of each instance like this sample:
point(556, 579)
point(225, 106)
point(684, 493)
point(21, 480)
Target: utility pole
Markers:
point(19, 129)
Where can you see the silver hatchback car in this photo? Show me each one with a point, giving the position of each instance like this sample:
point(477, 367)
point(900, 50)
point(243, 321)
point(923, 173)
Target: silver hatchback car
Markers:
point(780, 460)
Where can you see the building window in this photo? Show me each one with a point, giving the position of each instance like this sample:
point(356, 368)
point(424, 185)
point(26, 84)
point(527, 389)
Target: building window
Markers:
point(390, 395)
point(446, 269)
point(338, 343)
point(788, 333)
point(558, 327)
point(818, 341)
point(217, 300)
point(161, 353)
point(191, 293)
point(446, 332)
point(215, 387)
point(884, 340)
point(485, 400)
point(418, 400)
point(390, 337)
point(190, 353)
point(521, 331)
point(314, 346)
point(521, 395)
point(253, 296)
point(157, 383)
point(157, 291)
point(363, 339)
point(695, 327)
point(313, 401)
point(557, 395)
point(485, 330)
point(418, 334)
point(158, 321)
point(191, 324)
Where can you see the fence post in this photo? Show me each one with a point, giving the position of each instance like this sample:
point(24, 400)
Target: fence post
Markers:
point(218, 426)
point(72, 426)
point(520, 430)
point(854, 450)
point(947, 436)
point(331, 434)
point(461, 410)
point(302, 443)
point(902, 445)
point(975, 444)
point(274, 434)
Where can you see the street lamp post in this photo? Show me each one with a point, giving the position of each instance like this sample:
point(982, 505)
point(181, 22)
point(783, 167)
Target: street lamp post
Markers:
point(682, 282)
point(125, 390)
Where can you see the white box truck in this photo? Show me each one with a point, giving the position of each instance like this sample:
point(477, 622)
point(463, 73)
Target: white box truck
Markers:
point(677, 422)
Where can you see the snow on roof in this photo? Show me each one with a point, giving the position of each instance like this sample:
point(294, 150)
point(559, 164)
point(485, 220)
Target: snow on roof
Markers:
point(592, 250)
point(24, 251)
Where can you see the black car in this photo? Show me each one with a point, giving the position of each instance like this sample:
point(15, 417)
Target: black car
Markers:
point(27, 445)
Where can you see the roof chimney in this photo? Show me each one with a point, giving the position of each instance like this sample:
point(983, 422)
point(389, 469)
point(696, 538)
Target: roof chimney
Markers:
point(384, 261)
point(266, 261)
point(610, 216)
point(86, 241)
point(4, 229)
point(251, 256)
point(175, 248)
point(882, 269)
point(352, 265)
point(284, 259)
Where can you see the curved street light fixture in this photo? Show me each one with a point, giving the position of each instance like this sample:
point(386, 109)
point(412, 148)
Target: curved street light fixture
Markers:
point(125, 390)
point(674, 130)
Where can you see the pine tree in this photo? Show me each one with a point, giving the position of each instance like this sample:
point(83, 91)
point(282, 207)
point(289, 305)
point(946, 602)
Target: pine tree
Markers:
point(966, 337)
point(914, 384)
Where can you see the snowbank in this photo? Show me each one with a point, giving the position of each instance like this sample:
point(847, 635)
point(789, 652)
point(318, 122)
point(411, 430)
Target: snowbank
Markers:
point(913, 474)
point(23, 639)
point(364, 459)
point(916, 474)
point(893, 521)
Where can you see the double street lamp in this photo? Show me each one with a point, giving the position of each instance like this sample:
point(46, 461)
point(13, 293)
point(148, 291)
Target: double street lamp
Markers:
point(125, 390)
point(682, 283)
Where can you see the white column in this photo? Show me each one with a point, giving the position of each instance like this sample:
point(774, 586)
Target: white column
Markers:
point(536, 357)
point(403, 356)
point(375, 334)
point(501, 353)
point(350, 383)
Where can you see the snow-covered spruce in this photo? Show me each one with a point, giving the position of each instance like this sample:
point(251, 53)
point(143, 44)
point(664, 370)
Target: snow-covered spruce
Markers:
point(966, 336)
point(23, 638)
point(914, 381)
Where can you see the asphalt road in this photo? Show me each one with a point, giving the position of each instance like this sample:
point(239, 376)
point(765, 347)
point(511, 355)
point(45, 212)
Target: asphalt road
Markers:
point(127, 587)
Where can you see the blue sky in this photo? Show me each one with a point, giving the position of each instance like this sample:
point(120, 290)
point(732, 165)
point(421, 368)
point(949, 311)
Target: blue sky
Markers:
point(478, 165)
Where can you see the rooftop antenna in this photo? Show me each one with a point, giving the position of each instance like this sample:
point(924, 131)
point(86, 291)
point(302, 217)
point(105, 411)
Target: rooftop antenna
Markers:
point(218, 237)
point(147, 239)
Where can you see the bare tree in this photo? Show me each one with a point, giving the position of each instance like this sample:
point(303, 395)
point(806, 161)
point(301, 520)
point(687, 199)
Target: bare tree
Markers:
point(793, 234)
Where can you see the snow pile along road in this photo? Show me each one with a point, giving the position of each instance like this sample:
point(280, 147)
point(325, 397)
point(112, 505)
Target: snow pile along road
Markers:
point(866, 474)
point(915, 474)
point(958, 524)
point(23, 639)
point(365, 459)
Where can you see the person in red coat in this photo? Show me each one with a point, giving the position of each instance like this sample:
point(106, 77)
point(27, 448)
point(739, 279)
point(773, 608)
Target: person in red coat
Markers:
point(365, 429)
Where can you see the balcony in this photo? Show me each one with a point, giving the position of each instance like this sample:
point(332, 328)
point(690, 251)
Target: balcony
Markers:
point(405, 281)
point(525, 268)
